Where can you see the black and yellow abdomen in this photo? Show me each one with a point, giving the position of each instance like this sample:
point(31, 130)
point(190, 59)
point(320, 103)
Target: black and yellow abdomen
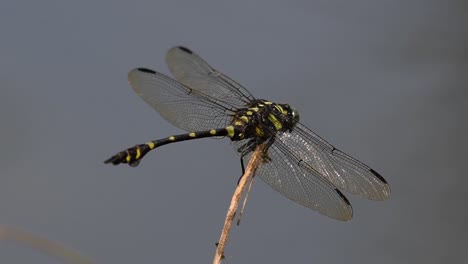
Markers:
point(133, 155)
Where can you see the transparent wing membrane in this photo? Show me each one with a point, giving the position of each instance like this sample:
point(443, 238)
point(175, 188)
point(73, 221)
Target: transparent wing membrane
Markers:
point(180, 105)
point(191, 70)
point(301, 185)
point(342, 170)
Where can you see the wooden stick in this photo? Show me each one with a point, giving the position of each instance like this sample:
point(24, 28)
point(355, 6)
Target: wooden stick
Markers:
point(254, 162)
point(246, 196)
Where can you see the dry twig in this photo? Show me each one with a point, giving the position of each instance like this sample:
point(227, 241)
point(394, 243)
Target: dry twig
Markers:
point(255, 160)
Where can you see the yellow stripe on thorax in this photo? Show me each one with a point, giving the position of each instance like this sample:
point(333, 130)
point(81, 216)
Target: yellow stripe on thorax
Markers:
point(275, 122)
point(280, 109)
point(259, 131)
point(244, 118)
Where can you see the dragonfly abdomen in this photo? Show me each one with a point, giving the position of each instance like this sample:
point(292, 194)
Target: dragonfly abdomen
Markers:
point(133, 155)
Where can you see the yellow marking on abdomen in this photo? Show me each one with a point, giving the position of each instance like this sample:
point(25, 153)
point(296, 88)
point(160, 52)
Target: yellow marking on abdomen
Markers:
point(249, 113)
point(151, 145)
point(238, 123)
point(171, 138)
point(192, 135)
point(212, 132)
point(230, 130)
point(255, 109)
point(268, 103)
point(138, 153)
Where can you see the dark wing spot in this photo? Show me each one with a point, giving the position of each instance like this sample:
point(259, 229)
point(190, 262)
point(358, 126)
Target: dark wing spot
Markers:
point(342, 196)
point(146, 70)
point(378, 176)
point(185, 49)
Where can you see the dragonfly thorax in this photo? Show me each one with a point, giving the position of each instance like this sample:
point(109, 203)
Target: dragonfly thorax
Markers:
point(263, 119)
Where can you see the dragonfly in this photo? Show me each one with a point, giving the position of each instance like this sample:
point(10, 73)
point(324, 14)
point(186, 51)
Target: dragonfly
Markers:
point(298, 163)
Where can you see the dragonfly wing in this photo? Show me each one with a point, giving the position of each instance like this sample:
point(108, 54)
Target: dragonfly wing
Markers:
point(339, 168)
point(191, 70)
point(180, 105)
point(302, 185)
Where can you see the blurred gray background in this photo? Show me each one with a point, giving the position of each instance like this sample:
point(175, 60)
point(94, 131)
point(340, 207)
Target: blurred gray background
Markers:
point(385, 81)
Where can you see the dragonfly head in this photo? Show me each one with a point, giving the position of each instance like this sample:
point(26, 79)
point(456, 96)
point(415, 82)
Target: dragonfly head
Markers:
point(294, 116)
point(291, 116)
